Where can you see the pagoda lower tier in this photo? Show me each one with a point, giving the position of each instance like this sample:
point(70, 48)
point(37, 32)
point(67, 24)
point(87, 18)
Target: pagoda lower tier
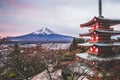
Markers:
point(100, 49)
point(101, 67)
point(87, 44)
point(87, 56)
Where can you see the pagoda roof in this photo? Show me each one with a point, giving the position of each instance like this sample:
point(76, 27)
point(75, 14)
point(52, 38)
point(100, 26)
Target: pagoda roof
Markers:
point(109, 32)
point(111, 22)
point(115, 32)
point(95, 58)
point(99, 44)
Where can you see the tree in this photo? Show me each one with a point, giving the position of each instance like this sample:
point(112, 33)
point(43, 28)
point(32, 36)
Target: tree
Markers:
point(25, 63)
point(74, 43)
point(17, 63)
point(22, 66)
point(75, 70)
point(51, 61)
point(73, 46)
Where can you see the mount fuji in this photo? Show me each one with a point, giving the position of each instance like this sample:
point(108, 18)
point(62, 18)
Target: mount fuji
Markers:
point(44, 35)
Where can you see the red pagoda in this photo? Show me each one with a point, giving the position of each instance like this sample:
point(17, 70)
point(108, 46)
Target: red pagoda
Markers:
point(100, 45)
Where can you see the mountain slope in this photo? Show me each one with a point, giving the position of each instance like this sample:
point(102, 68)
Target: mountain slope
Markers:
point(42, 35)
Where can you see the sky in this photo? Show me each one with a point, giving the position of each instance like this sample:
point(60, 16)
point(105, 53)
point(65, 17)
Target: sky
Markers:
point(19, 17)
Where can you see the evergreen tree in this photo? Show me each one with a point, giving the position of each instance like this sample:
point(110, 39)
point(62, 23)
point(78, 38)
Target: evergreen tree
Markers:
point(74, 43)
point(17, 63)
point(22, 67)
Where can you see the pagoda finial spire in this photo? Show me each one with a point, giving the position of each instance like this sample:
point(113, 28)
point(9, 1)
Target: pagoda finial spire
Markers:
point(100, 8)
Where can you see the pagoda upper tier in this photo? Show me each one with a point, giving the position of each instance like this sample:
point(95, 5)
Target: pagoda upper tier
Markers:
point(99, 20)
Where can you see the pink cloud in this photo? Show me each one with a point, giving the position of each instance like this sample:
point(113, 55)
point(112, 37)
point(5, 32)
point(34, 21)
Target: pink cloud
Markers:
point(12, 2)
point(20, 6)
point(10, 34)
point(7, 25)
point(1, 14)
point(5, 34)
point(13, 30)
point(12, 27)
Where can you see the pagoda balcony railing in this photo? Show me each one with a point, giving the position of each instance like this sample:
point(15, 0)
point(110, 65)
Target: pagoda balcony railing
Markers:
point(91, 41)
point(89, 62)
point(110, 29)
point(93, 53)
point(101, 41)
point(91, 30)
point(108, 41)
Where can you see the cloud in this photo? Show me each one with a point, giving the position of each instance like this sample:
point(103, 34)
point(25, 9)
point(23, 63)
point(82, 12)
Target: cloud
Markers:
point(63, 16)
point(1, 14)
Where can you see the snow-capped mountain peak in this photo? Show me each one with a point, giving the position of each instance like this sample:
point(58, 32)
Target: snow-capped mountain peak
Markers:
point(44, 35)
point(44, 31)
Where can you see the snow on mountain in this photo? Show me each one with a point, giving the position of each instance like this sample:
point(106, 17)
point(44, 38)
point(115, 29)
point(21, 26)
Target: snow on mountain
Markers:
point(43, 35)
point(44, 31)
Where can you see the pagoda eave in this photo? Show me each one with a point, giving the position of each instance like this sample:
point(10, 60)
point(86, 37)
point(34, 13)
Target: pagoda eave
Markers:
point(86, 56)
point(100, 44)
point(86, 34)
point(88, 24)
point(112, 33)
point(108, 32)
point(110, 22)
